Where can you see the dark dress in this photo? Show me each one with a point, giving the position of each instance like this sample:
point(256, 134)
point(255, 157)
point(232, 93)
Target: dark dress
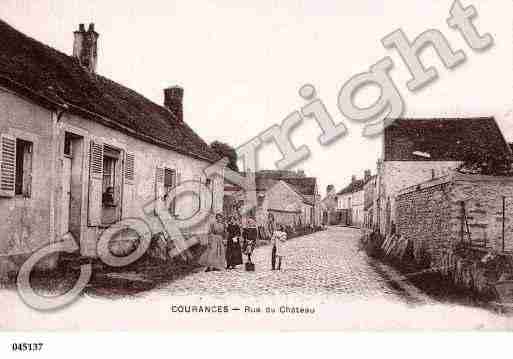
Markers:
point(250, 238)
point(233, 249)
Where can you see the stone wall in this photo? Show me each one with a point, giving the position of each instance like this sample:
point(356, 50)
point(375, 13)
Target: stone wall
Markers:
point(424, 217)
point(398, 175)
point(483, 204)
point(431, 215)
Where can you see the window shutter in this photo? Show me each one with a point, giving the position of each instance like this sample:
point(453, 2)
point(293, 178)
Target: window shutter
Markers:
point(95, 184)
point(178, 180)
point(129, 186)
point(129, 168)
point(159, 185)
point(172, 205)
point(7, 166)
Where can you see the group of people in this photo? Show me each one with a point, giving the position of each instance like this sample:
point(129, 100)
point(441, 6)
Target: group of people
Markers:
point(228, 242)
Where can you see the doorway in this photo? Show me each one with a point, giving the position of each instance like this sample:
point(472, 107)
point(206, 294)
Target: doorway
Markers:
point(66, 194)
point(72, 181)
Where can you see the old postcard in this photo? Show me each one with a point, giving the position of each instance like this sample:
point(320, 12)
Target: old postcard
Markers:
point(234, 165)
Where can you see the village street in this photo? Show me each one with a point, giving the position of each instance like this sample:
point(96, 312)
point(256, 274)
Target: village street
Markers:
point(326, 273)
point(327, 262)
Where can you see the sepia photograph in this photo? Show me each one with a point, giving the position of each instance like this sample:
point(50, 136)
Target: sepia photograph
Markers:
point(240, 166)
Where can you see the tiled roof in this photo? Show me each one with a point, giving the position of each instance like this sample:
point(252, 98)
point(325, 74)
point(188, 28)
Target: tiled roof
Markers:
point(443, 139)
point(55, 79)
point(264, 179)
point(304, 185)
point(353, 187)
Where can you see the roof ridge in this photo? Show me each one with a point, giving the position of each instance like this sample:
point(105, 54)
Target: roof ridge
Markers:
point(46, 72)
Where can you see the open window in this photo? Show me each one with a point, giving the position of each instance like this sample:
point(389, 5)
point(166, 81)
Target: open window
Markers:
point(165, 180)
point(105, 184)
point(111, 186)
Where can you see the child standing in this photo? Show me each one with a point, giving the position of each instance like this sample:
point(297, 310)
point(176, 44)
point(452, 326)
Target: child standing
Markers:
point(278, 240)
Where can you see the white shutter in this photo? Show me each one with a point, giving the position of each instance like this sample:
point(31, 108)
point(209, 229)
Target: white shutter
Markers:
point(159, 185)
point(95, 184)
point(178, 182)
point(7, 166)
point(128, 185)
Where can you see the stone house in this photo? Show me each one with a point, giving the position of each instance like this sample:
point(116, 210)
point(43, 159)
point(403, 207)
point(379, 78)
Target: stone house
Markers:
point(350, 201)
point(80, 151)
point(370, 195)
point(418, 150)
point(291, 197)
point(330, 215)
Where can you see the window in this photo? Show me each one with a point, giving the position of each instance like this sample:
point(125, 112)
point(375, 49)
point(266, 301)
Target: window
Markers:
point(109, 180)
point(169, 183)
point(111, 185)
point(23, 168)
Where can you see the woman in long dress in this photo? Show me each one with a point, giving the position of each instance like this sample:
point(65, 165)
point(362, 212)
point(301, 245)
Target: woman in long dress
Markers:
point(250, 237)
point(233, 248)
point(214, 257)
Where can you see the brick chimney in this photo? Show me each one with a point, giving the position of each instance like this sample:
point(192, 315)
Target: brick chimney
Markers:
point(173, 100)
point(85, 47)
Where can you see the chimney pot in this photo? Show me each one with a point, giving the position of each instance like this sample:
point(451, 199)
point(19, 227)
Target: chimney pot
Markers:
point(85, 47)
point(173, 100)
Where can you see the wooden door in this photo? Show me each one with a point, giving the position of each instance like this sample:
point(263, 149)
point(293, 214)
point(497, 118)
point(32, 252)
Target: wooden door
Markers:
point(66, 194)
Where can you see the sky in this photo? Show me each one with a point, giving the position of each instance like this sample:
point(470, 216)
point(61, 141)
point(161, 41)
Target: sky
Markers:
point(242, 63)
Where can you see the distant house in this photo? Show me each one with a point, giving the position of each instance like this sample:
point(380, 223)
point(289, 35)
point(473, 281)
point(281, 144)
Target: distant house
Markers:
point(291, 197)
point(370, 196)
point(351, 203)
point(80, 151)
point(418, 150)
point(330, 215)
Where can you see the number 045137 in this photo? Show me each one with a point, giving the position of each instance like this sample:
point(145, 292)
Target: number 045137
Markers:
point(27, 347)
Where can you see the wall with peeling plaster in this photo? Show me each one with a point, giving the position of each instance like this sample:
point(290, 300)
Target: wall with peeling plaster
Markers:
point(147, 158)
point(26, 222)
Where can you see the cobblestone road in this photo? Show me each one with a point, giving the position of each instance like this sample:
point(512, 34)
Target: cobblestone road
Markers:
point(326, 262)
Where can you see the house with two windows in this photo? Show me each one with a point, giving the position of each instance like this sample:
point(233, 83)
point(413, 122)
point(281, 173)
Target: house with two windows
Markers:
point(79, 152)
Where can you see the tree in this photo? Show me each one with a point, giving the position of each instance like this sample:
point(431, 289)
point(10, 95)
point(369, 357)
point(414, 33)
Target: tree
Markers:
point(480, 162)
point(225, 150)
